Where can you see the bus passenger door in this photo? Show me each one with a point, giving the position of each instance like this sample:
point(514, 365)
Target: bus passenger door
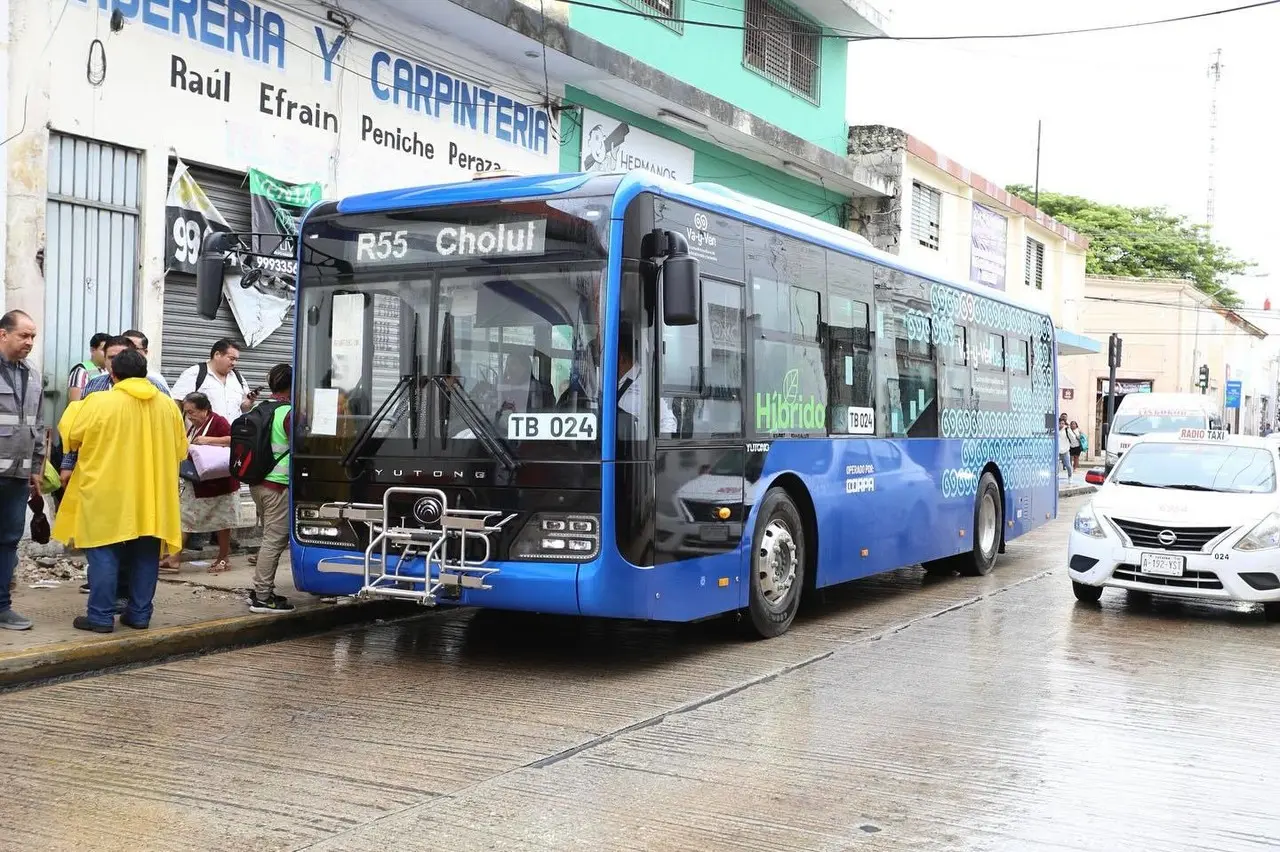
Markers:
point(701, 459)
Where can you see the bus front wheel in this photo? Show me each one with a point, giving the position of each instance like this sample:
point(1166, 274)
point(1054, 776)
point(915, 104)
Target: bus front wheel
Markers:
point(988, 516)
point(778, 553)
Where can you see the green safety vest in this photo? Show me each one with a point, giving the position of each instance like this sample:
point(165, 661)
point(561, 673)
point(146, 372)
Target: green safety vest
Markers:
point(280, 446)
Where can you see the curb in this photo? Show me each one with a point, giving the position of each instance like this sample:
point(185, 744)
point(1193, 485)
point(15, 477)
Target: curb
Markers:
point(1076, 490)
point(144, 646)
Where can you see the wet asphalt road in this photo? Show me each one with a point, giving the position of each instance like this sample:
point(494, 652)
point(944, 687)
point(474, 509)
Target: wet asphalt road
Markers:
point(900, 713)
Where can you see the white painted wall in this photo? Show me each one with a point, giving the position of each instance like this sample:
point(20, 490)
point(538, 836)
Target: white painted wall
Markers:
point(1064, 263)
point(141, 105)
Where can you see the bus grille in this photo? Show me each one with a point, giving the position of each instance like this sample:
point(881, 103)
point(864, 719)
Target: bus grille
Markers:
point(1189, 539)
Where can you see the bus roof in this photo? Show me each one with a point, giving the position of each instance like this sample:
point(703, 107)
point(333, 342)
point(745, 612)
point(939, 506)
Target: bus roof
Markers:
point(626, 185)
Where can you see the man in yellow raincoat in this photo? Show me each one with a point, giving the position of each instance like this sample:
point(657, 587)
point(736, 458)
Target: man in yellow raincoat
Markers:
point(122, 503)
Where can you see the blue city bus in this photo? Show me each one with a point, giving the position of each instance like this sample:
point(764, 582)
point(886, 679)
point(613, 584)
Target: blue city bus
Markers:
point(619, 396)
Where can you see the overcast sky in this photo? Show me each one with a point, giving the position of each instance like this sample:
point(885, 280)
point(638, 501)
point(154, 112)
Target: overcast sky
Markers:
point(1125, 114)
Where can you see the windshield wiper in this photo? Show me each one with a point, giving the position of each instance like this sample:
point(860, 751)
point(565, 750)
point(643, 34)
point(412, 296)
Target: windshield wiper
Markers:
point(1189, 487)
point(480, 425)
point(1136, 483)
point(388, 405)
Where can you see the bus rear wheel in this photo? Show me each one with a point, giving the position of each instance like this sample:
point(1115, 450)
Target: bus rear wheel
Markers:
point(988, 516)
point(778, 554)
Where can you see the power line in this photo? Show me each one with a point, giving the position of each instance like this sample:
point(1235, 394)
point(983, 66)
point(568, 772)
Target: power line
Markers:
point(844, 35)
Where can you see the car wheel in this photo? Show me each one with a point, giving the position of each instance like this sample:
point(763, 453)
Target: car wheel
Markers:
point(1086, 594)
point(778, 553)
point(988, 515)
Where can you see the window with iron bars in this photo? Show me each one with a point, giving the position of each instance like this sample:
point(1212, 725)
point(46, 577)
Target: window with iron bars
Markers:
point(926, 213)
point(665, 12)
point(783, 46)
point(1034, 270)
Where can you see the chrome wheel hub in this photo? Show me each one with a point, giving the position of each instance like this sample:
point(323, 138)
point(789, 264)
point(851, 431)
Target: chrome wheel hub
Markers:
point(776, 561)
point(987, 524)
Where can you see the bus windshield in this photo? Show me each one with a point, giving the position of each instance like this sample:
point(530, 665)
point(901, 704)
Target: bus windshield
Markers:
point(435, 359)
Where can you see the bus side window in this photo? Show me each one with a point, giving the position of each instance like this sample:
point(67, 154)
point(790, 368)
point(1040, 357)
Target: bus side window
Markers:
point(850, 345)
point(907, 372)
point(701, 384)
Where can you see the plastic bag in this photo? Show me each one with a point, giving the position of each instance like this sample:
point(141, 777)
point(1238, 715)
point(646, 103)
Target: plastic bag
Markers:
point(51, 481)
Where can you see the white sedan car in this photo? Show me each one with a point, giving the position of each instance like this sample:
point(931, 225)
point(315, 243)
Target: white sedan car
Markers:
point(1194, 514)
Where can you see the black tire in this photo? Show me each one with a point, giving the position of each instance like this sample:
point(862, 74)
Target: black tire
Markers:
point(1271, 611)
point(940, 567)
point(777, 566)
point(1086, 594)
point(986, 547)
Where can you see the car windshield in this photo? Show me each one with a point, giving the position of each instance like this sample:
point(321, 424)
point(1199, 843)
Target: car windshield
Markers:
point(1142, 424)
point(1198, 467)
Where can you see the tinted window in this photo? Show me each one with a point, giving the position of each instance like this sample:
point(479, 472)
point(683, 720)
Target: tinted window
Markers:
point(849, 345)
point(906, 375)
point(789, 386)
point(702, 367)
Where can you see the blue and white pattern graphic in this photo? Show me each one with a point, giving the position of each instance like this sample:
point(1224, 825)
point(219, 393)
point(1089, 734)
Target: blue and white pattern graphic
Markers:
point(1001, 436)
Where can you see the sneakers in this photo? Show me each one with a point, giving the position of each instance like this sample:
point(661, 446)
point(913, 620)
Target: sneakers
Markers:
point(84, 588)
point(273, 603)
point(10, 620)
point(82, 622)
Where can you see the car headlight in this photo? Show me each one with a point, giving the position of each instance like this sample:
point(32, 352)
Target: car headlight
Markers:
point(1087, 522)
point(1264, 536)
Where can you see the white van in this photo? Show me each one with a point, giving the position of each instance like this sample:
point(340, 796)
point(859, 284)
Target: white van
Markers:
point(1145, 413)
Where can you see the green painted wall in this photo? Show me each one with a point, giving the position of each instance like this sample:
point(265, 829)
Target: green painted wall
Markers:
point(710, 162)
point(711, 59)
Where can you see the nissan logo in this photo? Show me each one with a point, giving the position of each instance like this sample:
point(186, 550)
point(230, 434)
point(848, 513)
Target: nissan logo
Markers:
point(427, 510)
point(1166, 537)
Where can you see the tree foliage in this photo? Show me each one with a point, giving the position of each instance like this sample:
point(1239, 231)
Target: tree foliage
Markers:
point(1144, 242)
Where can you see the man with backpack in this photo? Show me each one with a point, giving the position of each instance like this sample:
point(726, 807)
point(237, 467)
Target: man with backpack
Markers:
point(260, 458)
point(219, 380)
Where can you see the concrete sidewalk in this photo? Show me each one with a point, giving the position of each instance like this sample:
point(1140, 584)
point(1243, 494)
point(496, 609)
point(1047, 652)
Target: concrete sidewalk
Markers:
point(195, 612)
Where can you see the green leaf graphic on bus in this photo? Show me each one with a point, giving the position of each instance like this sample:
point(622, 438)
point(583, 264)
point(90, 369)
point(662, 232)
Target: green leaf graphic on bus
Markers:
point(789, 409)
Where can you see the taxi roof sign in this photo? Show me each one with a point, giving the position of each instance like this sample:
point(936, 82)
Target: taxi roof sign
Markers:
point(1203, 435)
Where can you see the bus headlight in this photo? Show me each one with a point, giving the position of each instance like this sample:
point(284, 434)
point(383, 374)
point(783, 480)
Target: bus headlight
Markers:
point(554, 536)
point(310, 528)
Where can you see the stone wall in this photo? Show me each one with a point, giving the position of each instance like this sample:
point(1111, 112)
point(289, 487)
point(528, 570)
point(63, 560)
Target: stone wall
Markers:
point(882, 150)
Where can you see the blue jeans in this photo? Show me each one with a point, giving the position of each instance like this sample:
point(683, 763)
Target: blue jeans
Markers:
point(139, 561)
point(13, 520)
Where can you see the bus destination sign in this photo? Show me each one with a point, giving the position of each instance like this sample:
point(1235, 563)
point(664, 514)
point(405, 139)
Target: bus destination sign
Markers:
point(439, 241)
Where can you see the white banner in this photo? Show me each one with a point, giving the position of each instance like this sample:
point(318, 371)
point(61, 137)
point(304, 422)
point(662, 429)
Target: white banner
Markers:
point(610, 145)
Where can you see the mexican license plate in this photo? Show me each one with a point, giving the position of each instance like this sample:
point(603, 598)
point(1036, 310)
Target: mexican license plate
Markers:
point(1162, 564)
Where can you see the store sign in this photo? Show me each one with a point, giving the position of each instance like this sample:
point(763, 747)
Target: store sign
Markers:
point(240, 82)
point(611, 145)
point(260, 290)
point(1068, 393)
point(989, 247)
point(1127, 386)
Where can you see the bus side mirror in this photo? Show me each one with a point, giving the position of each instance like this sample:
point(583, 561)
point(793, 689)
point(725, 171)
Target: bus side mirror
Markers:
point(680, 296)
point(210, 269)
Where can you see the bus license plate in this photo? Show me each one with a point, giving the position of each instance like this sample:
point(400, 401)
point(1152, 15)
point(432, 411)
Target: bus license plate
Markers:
point(551, 427)
point(1162, 565)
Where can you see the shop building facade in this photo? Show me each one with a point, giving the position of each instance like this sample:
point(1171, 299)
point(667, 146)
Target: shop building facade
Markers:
point(109, 99)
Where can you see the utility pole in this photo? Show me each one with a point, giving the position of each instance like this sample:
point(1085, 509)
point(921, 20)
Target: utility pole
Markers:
point(1215, 74)
point(1036, 203)
point(1114, 347)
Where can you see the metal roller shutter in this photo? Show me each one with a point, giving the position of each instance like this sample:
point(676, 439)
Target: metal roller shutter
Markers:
point(187, 336)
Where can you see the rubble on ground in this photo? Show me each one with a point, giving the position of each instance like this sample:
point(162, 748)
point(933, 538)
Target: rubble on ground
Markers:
point(45, 568)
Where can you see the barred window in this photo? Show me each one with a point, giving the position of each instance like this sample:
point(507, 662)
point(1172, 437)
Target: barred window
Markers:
point(1034, 270)
point(783, 46)
point(926, 211)
point(667, 12)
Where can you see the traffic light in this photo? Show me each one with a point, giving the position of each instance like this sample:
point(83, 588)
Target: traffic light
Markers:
point(1203, 382)
point(1114, 347)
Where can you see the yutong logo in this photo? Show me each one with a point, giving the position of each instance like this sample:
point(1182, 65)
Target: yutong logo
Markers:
point(516, 238)
point(427, 510)
point(437, 474)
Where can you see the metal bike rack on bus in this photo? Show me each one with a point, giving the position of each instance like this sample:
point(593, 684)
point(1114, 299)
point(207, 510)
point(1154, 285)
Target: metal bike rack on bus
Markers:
point(443, 549)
